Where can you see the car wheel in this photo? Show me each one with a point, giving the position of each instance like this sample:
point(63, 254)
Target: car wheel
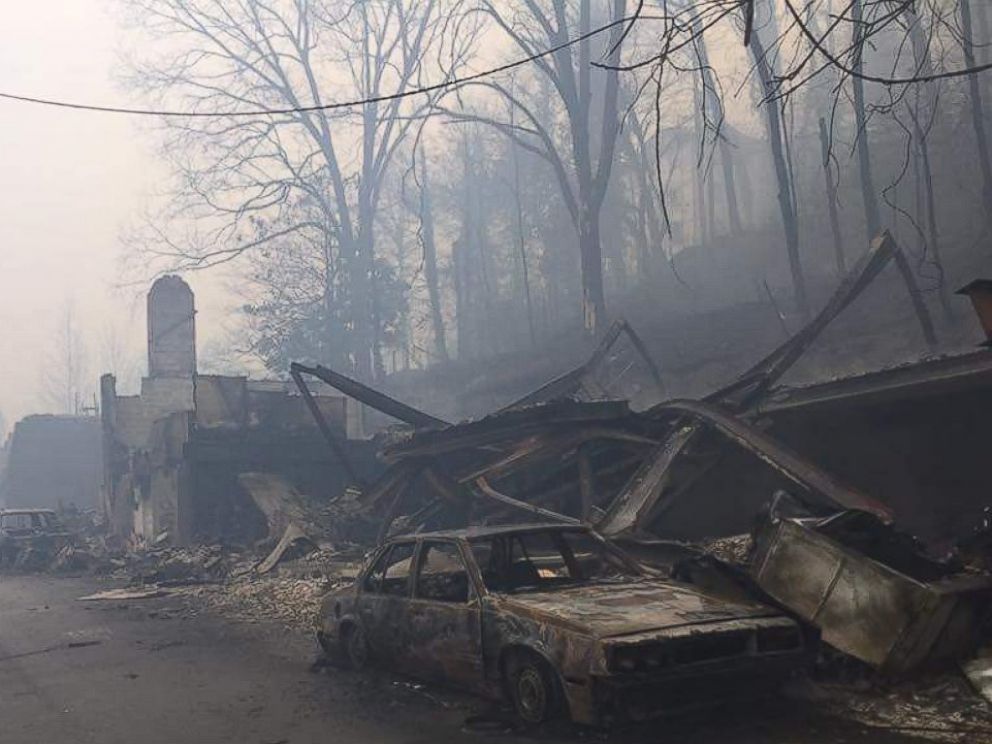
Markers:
point(532, 689)
point(356, 647)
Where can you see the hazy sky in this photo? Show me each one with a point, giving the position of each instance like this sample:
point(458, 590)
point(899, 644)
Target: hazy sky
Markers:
point(69, 182)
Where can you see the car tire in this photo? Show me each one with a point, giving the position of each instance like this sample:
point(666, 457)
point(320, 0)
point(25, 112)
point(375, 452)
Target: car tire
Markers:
point(533, 689)
point(354, 647)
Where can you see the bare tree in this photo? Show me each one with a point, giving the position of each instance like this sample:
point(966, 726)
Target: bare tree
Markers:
point(583, 160)
point(977, 109)
point(64, 381)
point(428, 242)
point(241, 178)
point(873, 223)
point(117, 357)
point(776, 143)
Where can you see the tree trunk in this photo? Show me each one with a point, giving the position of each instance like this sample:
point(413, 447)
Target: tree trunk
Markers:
point(481, 277)
point(982, 17)
point(716, 111)
point(873, 223)
point(365, 322)
point(521, 242)
point(743, 174)
point(404, 353)
point(591, 253)
point(648, 208)
point(710, 205)
point(922, 111)
point(378, 365)
point(430, 263)
point(828, 176)
point(790, 224)
point(363, 316)
point(699, 199)
point(326, 353)
point(926, 176)
point(730, 187)
point(977, 110)
point(589, 203)
point(787, 127)
point(459, 260)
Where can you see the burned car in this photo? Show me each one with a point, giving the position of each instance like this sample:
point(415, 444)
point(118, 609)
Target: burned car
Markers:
point(28, 535)
point(558, 620)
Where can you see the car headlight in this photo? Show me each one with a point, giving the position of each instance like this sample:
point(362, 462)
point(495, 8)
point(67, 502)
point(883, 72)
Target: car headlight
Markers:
point(634, 658)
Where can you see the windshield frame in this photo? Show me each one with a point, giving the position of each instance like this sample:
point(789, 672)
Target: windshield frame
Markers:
point(556, 534)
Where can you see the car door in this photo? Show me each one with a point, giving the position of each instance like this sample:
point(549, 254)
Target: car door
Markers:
point(445, 619)
point(384, 602)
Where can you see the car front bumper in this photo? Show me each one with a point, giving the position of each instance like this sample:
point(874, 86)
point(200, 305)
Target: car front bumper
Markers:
point(618, 698)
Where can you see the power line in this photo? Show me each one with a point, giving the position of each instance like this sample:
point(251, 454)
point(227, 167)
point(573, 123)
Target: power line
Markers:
point(316, 107)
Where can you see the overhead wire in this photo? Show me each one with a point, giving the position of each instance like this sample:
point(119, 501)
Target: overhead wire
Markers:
point(452, 82)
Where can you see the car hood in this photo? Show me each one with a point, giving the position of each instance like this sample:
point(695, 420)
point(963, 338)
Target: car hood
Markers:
point(604, 610)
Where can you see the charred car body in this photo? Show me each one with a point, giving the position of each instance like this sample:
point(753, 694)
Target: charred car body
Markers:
point(555, 618)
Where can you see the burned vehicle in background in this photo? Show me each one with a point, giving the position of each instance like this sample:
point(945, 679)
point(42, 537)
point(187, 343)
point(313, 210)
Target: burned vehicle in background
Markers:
point(30, 536)
point(556, 619)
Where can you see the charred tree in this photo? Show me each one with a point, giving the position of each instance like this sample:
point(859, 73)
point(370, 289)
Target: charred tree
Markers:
point(977, 109)
point(258, 184)
point(518, 210)
point(790, 222)
point(430, 264)
point(582, 165)
point(923, 111)
point(831, 189)
point(873, 222)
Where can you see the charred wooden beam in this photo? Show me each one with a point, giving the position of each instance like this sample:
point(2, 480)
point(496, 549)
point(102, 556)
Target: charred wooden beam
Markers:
point(630, 508)
point(368, 396)
point(538, 511)
point(508, 427)
point(579, 379)
point(334, 442)
point(751, 386)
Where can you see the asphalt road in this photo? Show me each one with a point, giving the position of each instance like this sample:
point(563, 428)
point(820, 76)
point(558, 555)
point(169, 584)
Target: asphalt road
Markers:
point(164, 671)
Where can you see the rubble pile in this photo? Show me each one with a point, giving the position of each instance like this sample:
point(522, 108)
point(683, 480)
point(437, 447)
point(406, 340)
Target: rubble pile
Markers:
point(292, 602)
point(228, 580)
point(173, 566)
point(288, 594)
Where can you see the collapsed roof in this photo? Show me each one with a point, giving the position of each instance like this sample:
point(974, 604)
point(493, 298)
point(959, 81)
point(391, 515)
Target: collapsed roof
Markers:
point(573, 450)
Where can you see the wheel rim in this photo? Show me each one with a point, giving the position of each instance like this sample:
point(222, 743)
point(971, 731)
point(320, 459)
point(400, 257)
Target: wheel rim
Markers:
point(357, 649)
point(532, 698)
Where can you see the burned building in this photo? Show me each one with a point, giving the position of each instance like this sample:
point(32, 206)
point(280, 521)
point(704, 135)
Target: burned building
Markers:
point(174, 451)
point(53, 462)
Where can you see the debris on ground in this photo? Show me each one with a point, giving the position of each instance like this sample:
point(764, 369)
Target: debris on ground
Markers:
point(978, 671)
point(124, 594)
point(935, 707)
point(293, 602)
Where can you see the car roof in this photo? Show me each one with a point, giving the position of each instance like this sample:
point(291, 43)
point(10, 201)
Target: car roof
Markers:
point(477, 532)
